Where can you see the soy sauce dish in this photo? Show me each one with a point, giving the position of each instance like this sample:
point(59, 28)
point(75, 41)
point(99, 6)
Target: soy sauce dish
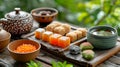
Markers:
point(102, 37)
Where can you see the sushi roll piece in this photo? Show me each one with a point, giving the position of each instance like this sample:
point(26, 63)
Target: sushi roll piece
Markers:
point(72, 36)
point(46, 35)
point(79, 34)
point(63, 41)
point(83, 30)
point(57, 23)
point(51, 27)
point(74, 50)
point(39, 32)
point(67, 27)
point(53, 39)
point(86, 46)
point(60, 30)
point(88, 54)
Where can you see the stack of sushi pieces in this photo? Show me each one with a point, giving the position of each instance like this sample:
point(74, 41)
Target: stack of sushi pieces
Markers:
point(53, 38)
point(59, 34)
point(64, 29)
point(77, 34)
point(59, 28)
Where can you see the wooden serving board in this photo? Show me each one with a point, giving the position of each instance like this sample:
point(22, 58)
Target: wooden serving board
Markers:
point(100, 55)
point(47, 45)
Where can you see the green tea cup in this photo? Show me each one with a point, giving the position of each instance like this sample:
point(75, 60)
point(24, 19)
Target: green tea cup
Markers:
point(102, 37)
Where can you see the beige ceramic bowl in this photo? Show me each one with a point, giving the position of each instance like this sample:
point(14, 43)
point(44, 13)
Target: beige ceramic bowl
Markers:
point(4, 39)
point(23, 57)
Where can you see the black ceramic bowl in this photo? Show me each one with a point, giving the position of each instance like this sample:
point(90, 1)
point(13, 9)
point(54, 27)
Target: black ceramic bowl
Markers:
point(102, 42)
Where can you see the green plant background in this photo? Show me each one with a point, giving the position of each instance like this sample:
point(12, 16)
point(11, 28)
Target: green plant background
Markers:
point(85, 13)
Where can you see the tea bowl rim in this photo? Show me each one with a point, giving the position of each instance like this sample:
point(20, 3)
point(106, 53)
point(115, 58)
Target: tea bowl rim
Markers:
point(36, 9)
point(101, 26)
point(9, 37)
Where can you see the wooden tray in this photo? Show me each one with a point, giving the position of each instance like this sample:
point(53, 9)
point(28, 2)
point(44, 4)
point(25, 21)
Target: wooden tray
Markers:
point(100, 55)
point(47, 45)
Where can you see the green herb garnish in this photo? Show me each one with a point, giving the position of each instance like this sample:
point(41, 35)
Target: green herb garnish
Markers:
point(34, 64)
point(54, 64)
point(61, 64)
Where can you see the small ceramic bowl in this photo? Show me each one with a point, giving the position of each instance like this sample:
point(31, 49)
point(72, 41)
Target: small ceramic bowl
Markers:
point(44, 15)
point(23, 57)
point(4, 39)
point(102, 42)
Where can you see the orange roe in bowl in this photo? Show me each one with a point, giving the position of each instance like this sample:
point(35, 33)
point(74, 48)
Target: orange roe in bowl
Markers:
point(25, 48)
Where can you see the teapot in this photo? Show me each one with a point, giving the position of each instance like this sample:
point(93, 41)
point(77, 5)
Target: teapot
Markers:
point(17, 22)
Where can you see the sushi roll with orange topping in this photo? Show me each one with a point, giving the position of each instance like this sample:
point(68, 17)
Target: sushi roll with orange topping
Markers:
point(46, 35)
point(63, 41)
point(39, 32)
point(53, 39)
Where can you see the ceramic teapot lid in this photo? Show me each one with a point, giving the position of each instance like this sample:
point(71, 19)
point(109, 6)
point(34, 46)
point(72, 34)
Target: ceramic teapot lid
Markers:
point(4, 34)
point(17, 14)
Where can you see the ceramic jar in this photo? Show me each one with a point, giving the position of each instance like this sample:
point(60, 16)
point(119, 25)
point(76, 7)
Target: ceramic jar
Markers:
point(17, 22)
point(4, 39)
point(102, 42)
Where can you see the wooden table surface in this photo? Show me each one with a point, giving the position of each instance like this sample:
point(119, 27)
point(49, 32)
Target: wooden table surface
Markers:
point(46, 58)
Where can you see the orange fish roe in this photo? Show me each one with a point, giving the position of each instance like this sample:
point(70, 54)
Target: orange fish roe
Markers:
point(25, 48)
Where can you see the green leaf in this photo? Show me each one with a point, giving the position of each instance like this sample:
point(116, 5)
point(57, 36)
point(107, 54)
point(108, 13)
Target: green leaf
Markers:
point(69, 65)
point(60, 64)
point(34, 64)
point(39, 64)
point(64, 63)
point(82, 16)
point(54, 64)
point(29, 65)
point(81, 7)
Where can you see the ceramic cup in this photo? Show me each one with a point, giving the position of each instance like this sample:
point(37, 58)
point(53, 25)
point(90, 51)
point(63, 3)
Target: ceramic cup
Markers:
point(102, 42)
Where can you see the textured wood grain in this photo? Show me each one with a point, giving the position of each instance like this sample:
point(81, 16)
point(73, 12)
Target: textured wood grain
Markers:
point(46, 58)
point(101, 56)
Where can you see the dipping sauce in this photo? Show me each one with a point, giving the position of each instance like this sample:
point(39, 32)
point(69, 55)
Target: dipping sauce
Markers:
point(103, 32)
point(23, 48)
point(45, 13)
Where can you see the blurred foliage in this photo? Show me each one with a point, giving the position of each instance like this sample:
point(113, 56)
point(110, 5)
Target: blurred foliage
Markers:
point(80, 12)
